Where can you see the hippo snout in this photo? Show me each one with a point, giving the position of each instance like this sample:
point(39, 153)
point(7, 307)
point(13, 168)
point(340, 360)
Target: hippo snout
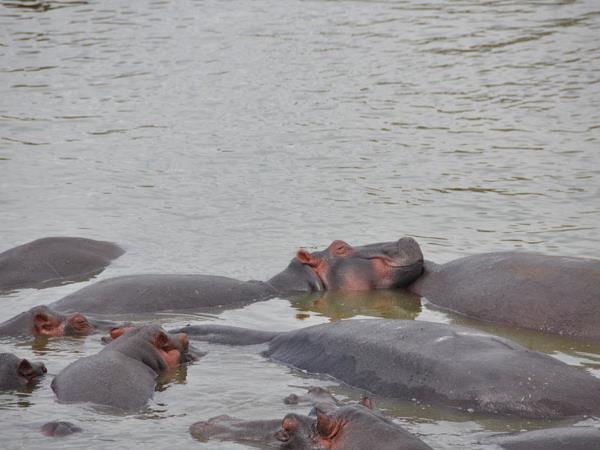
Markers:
point(407, 252)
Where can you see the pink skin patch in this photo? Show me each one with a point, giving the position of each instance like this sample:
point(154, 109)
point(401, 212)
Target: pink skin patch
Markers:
point(44, 325)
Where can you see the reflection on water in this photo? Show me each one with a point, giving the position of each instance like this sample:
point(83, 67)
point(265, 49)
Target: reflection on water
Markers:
point(386, 304)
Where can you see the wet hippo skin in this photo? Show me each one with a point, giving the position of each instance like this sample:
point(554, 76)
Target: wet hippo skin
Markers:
point(339, 267)
point(351, 427)
point(433, 363)
point(566, 438)
point(16, 372)
point(54, 260)
point(43, 321)
point(122, 375)
point(553, 294)
point(59, 429)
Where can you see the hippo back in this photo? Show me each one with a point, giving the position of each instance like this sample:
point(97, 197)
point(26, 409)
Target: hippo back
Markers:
point(441, 364)
point(546, 293)
point(54, 260)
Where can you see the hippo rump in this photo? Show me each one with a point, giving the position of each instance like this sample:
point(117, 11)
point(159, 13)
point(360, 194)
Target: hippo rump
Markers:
point(430, 362)
point(339, 267)
point(43, 321)
point(16, 373)
point(54, 260)
point(553, 294)
point(565, 438)
point(352, 427)
point(123, 374)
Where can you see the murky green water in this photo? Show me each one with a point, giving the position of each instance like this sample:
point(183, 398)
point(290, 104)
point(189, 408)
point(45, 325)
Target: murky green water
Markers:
point(219, 136)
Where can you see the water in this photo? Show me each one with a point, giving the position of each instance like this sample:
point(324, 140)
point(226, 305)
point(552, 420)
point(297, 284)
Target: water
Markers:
point(219, 136)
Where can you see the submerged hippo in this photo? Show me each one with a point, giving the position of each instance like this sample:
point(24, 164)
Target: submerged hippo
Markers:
point(16, 372)
point(123, 374)
point(339, 267)
point(346, 428)
point(546, 293)
point(59, 429)
point(571, 438)
point(430, 362)
point(54, 260)
point(43, 321)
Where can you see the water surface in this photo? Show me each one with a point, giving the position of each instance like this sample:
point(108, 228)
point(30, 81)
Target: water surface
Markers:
point(219, 136)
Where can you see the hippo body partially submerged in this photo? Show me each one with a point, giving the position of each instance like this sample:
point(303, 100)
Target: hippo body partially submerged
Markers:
point(564, 438)
point(552, 294)
point(339, 267)
point(54, 260)
point(123, 375)
point(433, 363)
point(352, 427)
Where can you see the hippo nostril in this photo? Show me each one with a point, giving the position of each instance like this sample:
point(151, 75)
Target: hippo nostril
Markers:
point(44, 370)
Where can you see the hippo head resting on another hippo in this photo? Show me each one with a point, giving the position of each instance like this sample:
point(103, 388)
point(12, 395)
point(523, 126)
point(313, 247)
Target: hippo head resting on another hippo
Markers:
point(343, 267)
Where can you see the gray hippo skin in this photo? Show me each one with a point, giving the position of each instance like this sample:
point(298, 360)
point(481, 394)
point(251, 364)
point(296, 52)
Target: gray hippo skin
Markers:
point(16, 373)
point(567, 438)
point(344, 428)
point(42, 321)
point(123, 375)
point(553, 294)
point(59, 429)
point(433, 363)
point(54, 260)
point(339, 267)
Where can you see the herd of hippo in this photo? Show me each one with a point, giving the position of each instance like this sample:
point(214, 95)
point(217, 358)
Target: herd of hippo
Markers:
point(438, 364)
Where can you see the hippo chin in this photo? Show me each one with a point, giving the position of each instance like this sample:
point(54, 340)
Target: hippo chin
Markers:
point(552, 294)
point(54, 260)
point(123, 374)
point(339, 267)
point(433, 363)
point(16, 373)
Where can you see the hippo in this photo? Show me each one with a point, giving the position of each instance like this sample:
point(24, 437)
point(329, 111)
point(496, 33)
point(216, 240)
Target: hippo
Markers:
point(123, 374)
point(571, 438)
point(43, 321)
point(428, 362)
point(59, 429)
point(351, 427)
point(339, 267)
point(553, 294)
point(313, 396)
point(16, 373)
point(54, 260)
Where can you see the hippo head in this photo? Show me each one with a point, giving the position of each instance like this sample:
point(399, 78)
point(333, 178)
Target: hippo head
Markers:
point(342, 267)
point(29, 371)
point(17, 372)
point(45, 322)
point(167, 350)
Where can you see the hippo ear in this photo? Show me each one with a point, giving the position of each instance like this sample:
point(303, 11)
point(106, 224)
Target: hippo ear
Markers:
point(40, 319)
point(367, 402)
point(306, 258)
point(117, 332)
point(327, 426)
point(161, 340)
point(25, 369)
